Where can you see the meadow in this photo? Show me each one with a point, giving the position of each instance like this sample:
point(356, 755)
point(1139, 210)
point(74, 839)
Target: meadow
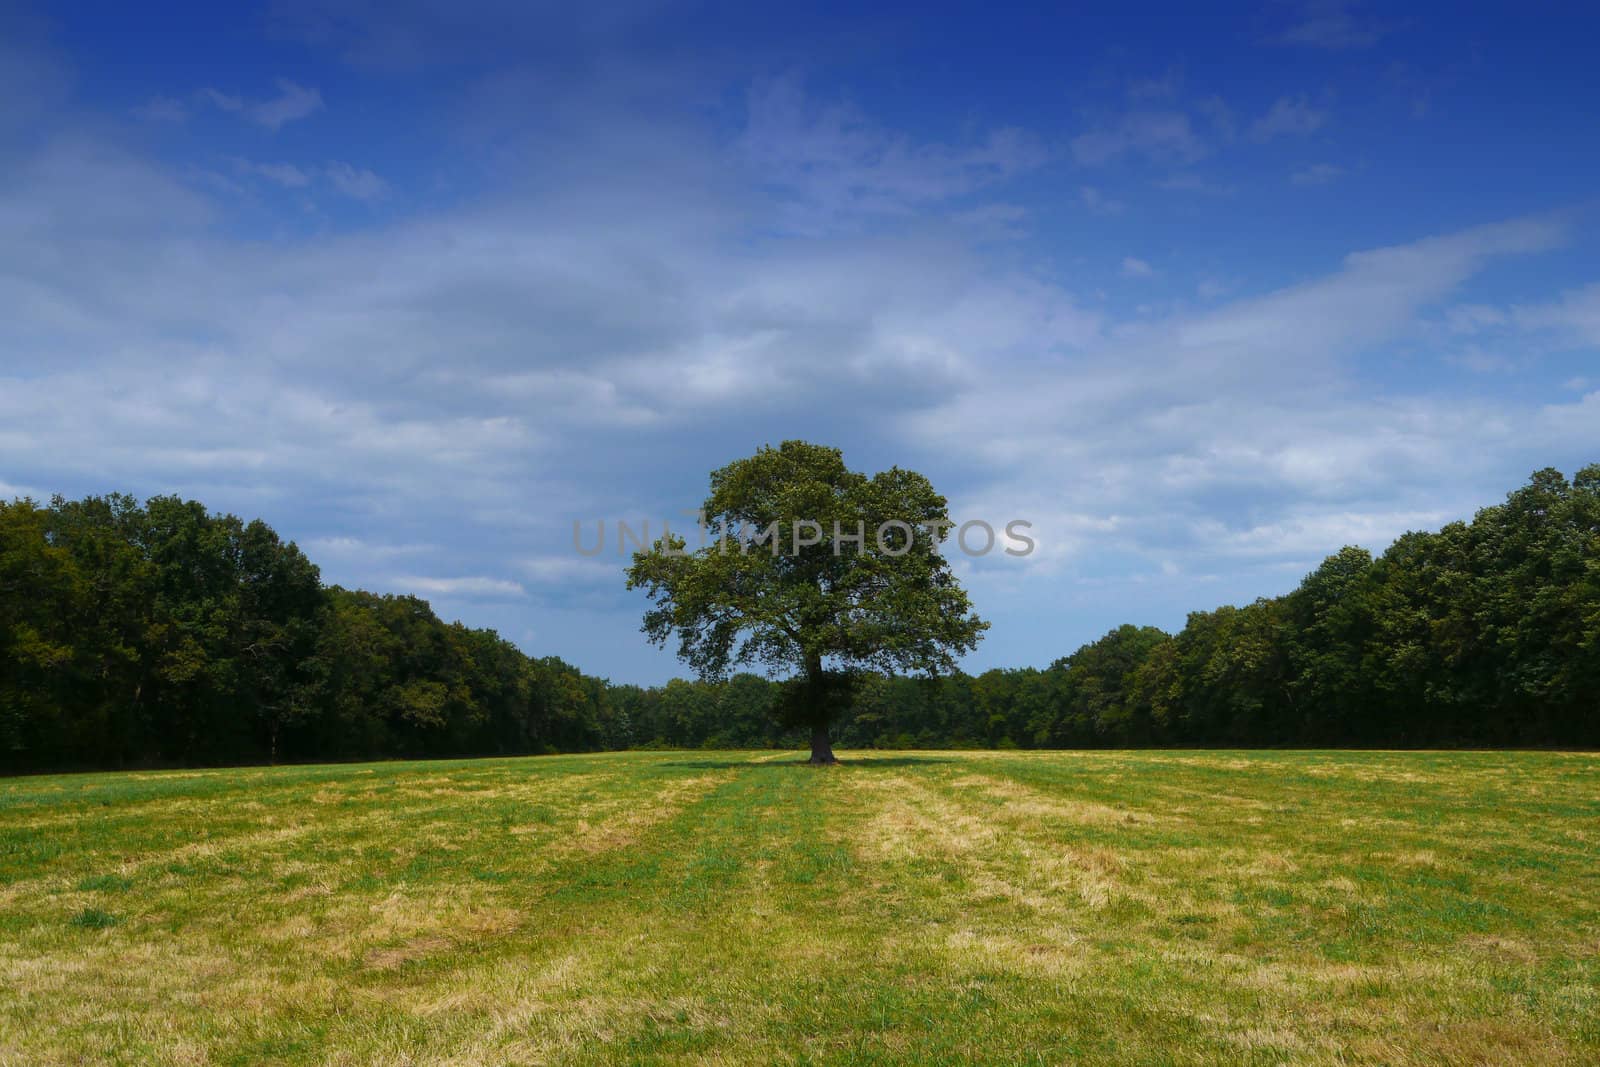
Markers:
point(737, 907)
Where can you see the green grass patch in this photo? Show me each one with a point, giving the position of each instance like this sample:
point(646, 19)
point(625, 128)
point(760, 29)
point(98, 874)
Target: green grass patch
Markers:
point(94, 919)
point(662, 907)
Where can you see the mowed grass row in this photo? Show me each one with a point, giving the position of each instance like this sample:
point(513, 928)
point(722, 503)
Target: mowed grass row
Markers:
point(1154, 907)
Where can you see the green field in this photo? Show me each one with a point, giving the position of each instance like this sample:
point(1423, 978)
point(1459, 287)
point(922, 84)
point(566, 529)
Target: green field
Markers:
point(929, 907)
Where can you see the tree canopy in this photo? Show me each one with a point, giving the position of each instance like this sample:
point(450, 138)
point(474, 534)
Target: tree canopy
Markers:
point(163, 634)
point(812, 567)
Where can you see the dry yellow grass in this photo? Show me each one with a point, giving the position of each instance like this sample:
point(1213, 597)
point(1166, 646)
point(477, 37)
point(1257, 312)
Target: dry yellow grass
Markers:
point(1184, 908)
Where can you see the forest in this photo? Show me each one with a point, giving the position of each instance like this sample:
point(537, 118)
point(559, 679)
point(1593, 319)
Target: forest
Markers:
point(162, 634)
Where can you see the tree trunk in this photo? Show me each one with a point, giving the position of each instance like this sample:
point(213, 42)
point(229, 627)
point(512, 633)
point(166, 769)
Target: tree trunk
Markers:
point(821, 749)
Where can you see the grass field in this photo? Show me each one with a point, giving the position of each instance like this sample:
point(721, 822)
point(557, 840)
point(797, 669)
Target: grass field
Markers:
point(1158, 907)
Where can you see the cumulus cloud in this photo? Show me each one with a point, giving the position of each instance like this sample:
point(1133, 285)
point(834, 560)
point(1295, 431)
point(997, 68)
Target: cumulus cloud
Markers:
point(161, 109)
point(1164, 87)
point(1250, 409)
point(1288, 116)
point(287, 175)
point(1517, 337)
point(428, 399)
point(221, 100)
point(1574, 315)
point(1317, 174)
point(1219, 114)
point(456, 588)
point(836, 162)
point(1133, 267)
point(1098, 202)
point(1190, 182)
point(1334, 25)
point(356, 182)
point(1163, 136)
point(1473, 318)
point(348, 549)
point(293, 102)
point(563, 570)
point(1309, 535)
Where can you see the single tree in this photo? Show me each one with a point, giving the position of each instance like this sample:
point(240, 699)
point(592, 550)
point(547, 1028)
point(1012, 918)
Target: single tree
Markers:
point(808, 566)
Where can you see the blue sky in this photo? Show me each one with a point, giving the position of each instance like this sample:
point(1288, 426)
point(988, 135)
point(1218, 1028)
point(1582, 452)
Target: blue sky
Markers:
point(1202, 298)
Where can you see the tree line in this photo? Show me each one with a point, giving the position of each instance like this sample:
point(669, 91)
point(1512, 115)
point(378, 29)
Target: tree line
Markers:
point(163, 634)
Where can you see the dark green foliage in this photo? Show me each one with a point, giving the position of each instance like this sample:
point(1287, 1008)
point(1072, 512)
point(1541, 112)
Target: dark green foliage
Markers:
point(822, 609)
point(161, 634)
point(137, 635)
point(1483, 634)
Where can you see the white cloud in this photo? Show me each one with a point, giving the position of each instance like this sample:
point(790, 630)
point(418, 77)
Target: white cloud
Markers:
point(1574, 315)
point(1473, 318)
point(1507, 338)
point(998, 219)
point(1215, 109)
point(1317, 174)
point(285, 174)
point(1190, 182)
point(835, 162)
point(1288, 117)
point(346, 549)
point(1315, 533)
point(605, 569)
point(1572, 422)
point(471, 588)
point(1251, 402)
point(1333, 25)
point(222, 101)
point(597, 330)
point(1164, 87)
point(161, 109)
point(293, 102)
point(356, 182)
point(1164, 136)
point(1097, 202)
point(1133, 267)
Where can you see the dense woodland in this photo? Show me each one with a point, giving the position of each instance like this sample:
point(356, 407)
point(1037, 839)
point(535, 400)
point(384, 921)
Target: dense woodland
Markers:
point(162, 634)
